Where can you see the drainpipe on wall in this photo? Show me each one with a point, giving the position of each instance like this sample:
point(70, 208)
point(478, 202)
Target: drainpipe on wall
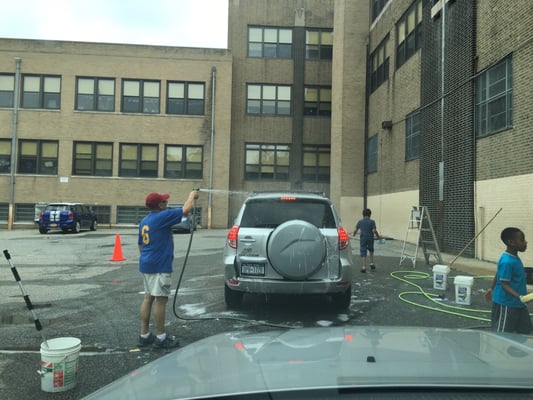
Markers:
point(212, 147)
point(11, 209)
point(367, 101)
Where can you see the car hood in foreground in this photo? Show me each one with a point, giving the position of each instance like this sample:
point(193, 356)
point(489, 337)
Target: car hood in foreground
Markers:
point(332, 358)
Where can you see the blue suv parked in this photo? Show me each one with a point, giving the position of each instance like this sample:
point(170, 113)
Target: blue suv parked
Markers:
point(68, 217)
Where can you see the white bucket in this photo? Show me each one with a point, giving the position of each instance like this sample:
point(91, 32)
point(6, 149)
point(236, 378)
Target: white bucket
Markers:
point(440, 276)
point(59, 364)
point(463, 289)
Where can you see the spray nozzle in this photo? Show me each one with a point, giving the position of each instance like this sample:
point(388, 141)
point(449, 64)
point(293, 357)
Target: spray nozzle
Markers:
point(197, 189)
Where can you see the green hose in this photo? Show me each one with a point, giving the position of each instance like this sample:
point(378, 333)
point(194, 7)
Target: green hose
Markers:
point(409, 276)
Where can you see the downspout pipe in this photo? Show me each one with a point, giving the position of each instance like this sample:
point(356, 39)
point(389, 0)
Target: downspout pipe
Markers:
point(212, 148)
point(11, 210)
point(367, 102)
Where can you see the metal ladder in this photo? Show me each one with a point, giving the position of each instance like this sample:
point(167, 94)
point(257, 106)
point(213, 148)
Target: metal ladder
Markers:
point(420, 224)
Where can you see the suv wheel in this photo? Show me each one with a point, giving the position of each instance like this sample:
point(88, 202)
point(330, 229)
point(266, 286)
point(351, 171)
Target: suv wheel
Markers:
point(233, 298)
point(342, 300)
point(94, 225)
point(77, 227)
point(296, 249)
point(42, 230)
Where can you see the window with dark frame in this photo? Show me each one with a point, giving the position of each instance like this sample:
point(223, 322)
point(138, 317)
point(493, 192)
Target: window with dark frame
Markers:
point(185, 98)
point(377, 6)
point(269, 42)
point(183, 162)
point(37, 157)
point(7, 90)
point(409, 33)
point(317, 101)
point(138, 160)
point(316, 163)
point(140, 96)
point(494, 98)
point(95, 94)
point(412, 136)
point(319, 44)
point(372, 154)
point(267, 161)
point(41, 92)
point(268, 99)
point(92, 159)
point(379, 64)
point(5, 155)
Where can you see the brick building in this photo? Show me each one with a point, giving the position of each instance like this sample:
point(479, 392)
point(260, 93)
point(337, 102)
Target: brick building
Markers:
point(380, 104)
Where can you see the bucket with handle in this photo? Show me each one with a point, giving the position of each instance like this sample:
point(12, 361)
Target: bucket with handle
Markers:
point(59, 364)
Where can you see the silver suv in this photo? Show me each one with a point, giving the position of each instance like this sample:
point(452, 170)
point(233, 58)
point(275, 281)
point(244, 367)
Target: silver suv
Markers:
point(288, 243)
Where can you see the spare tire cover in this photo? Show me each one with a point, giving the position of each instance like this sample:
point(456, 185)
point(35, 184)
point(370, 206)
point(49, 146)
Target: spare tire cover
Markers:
point(296, 249)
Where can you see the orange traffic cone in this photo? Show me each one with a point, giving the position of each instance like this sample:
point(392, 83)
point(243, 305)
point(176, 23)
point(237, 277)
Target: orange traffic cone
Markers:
point(117, 253)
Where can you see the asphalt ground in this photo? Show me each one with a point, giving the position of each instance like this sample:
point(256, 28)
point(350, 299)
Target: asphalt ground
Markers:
point(77, 290)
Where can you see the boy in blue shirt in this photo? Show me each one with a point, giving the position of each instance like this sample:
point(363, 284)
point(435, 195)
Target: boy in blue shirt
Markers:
point(509, 313)
point(367, 226)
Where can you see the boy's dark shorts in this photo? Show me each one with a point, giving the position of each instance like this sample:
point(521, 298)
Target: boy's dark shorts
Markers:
point(366, 244)
point(512, 320)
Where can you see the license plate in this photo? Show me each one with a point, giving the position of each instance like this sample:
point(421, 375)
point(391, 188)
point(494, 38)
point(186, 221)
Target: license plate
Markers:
point(53, 225)
point(253, 269)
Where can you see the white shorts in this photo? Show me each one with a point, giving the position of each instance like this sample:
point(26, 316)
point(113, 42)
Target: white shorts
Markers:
point(157, 284)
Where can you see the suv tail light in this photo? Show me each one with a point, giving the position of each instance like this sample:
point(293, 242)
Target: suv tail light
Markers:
point(344, 238)
point(70, 215)
point(233, 235)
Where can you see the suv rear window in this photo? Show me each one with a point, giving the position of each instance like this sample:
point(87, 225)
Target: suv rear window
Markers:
point(269, 213)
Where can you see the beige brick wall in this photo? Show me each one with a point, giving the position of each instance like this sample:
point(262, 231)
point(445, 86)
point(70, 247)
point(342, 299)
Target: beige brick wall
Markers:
point(514, 195)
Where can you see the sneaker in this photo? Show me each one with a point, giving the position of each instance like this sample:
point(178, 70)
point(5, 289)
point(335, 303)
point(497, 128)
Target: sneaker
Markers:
point(143, 342)
point(167, 343)
point(372, 267)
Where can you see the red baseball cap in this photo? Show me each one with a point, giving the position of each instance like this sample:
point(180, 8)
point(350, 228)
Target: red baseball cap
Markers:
point(154, 199)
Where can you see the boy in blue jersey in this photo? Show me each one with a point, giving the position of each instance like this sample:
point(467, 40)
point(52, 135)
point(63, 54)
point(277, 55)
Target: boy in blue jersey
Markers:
point(156, 247)
point(367, 226)
point(509, 313)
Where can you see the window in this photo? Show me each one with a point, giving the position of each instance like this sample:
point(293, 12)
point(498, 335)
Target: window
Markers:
point(317, 162)
point(185, 98)
point(183, 162)
point(93, 159)
point(24, 212)
point(38, 157)
point(377, 6)
point(409, 33)
point(267, 161)
point(372, 154)
point(131, 215)
point(103, 213)
point(317, 101)
point(269, 42)
point(319, 44)
point(140, 96)
point(7, 90)
point(412, 136)
point(139, 160)
point(268, 99)
point(379, 63)
point(95, 94)
point(5, 155)
point(494, 98)
point(40, 91)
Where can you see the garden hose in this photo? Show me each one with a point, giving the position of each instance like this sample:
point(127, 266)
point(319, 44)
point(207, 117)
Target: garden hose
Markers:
point(435, 298)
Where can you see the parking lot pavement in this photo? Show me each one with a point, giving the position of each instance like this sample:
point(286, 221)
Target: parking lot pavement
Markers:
point(78, 291)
